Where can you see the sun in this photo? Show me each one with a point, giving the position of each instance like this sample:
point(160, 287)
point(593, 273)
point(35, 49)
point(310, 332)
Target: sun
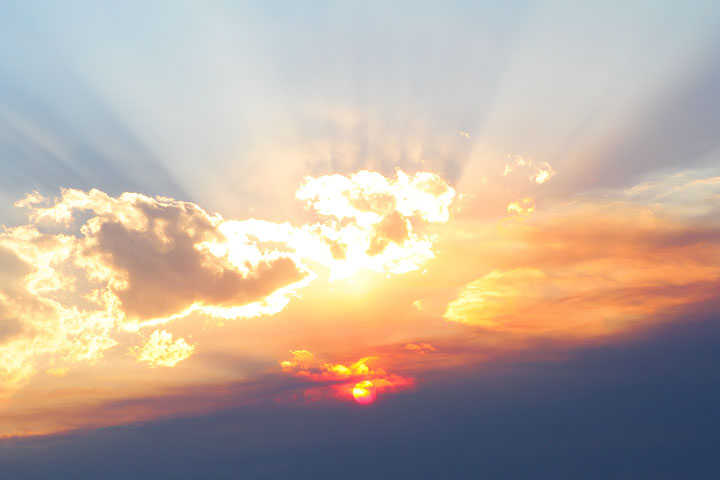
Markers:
point(364, 392)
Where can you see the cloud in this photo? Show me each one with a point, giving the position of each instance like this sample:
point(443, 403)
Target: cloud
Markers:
point(339, 379)
point(368, 197)
point(371, 222)
point(523, 207)
point(590, 269)
point(541, 172)
point(690, 193)
point(39, 327)
point(300, 360)
point(155, 255)
point(88, 269)
point(161, 350)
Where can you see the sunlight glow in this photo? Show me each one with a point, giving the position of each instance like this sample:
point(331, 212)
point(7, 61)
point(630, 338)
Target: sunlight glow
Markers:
point(364, 392)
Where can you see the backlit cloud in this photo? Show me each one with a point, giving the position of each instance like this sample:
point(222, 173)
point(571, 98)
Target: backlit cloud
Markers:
point(368, 221)
point(340, 379)
point(154, 256)
point(131, 282)
point(88, 269)
point(161, 350)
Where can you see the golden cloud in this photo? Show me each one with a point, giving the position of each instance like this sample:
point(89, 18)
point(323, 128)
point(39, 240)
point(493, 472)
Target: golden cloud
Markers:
point(89, 266)
point(523, 207)
point(591, 269)
point(340, 379)
point(371, 222)
point(161, 350)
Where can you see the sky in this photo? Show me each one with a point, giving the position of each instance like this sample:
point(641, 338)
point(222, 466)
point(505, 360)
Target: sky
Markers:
point(330, 239)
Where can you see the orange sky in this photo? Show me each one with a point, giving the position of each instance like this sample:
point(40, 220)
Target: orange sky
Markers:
point(132, 307)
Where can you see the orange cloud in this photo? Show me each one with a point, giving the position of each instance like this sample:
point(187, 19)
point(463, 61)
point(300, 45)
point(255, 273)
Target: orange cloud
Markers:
point(73, 293)
point(161, 350)
point(590, 269)
point(90, 270)
point(340, 379)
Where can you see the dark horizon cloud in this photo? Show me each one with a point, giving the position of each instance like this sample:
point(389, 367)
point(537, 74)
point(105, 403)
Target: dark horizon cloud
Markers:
point(644, 408)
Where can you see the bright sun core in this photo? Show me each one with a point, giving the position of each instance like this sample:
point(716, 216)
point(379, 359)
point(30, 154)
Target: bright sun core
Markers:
point(364, 392)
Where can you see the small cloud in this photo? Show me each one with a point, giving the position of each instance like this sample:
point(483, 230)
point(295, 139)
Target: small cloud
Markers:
point(420, 348)
point(300, 360)
point(541, 172)
point(523, 207)
point(161, 350)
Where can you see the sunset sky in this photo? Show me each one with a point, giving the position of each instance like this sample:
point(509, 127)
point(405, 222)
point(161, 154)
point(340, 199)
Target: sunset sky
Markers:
point(277, 239)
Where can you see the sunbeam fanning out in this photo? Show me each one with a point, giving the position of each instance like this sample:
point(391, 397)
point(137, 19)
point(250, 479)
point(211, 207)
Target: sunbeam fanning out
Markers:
point(321, 240)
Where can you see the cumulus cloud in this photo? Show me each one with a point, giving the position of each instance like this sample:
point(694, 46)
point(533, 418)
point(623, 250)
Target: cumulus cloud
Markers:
point(368, 221)
point(540, 172)
point(88, 266)
point(37, 321)
point(161, 350)
point(155, 255)
point(523, 207)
